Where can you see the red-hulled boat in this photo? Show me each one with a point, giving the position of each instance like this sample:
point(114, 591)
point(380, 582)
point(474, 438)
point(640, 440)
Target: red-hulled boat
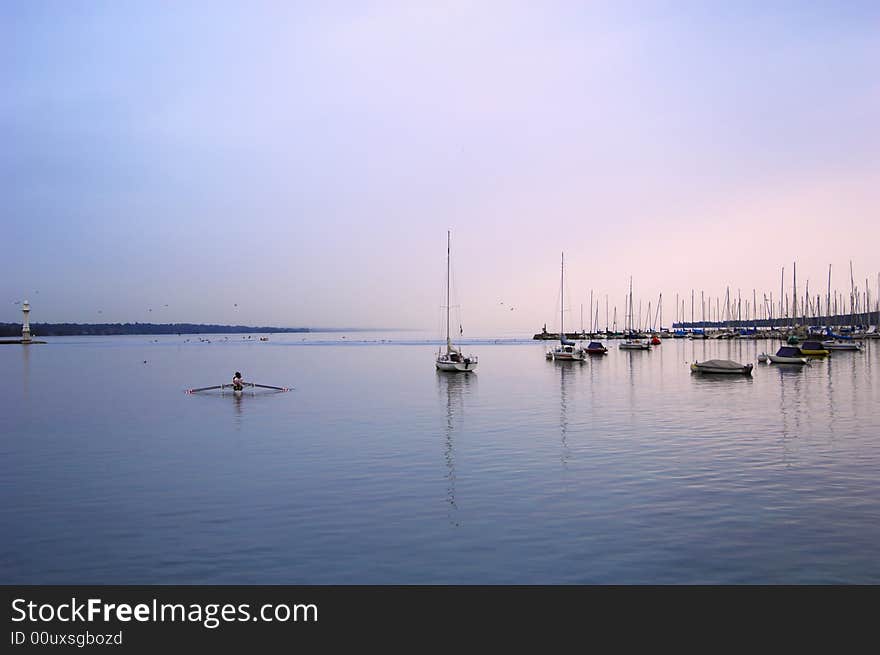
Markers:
point(596, 348)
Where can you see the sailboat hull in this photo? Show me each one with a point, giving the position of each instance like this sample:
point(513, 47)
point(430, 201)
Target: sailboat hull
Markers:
point(799, 361)
point(831, 345)
point(567, 357)
point(634, 346)
point(456, 367)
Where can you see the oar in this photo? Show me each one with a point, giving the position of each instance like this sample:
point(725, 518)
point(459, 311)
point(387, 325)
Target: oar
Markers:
point(218, 386)
point(266, 386)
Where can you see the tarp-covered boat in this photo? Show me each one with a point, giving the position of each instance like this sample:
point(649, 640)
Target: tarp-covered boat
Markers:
point(721, 366)
point(596, 348)
point(789, 355)
point(814, 349)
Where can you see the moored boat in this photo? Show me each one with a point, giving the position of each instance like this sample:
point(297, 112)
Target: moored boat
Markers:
point(596, 348)
point(633, 339)
point(452, 360)
point(841, 345)
point(789, 355)
point(567, 350)
point(814, 349)
point(721, 366)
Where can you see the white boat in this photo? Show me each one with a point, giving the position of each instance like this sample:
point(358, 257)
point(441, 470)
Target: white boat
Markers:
point(567, 350)
point(721, 366)
point(632, 342)
point(841, 345)
point(789, 355)
point(763, 358)
point(453, 359)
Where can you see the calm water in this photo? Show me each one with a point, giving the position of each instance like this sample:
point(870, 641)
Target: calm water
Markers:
point(377, 469)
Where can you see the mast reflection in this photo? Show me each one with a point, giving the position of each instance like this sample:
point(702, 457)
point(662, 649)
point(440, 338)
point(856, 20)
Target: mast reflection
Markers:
point(454, 388)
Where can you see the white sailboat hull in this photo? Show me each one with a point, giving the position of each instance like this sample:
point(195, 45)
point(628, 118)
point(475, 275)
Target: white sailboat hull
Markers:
point(577, 356)
point(635, 346)
point(459, 367)
point(841, 345)
point(800, 361)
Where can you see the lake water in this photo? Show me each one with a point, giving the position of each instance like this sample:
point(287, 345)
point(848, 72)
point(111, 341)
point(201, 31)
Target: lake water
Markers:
point(376, 469)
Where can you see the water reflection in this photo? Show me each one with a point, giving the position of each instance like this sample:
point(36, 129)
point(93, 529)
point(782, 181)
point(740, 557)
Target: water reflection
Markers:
point(709, 379)
point(454, 386)
point(26, 370)
point(829, 394)
point(568, 374)
point(564, 373)
point(236, 403)
point(790, 408)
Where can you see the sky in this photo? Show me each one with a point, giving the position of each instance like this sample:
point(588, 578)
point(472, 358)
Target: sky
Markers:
point(300, 163)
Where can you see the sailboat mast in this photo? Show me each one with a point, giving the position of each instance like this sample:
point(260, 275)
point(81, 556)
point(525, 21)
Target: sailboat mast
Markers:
point(629, 327)
point(781, 294)
point(562, 299)
point(852, 296)
point(448, 242)
point(828, 297)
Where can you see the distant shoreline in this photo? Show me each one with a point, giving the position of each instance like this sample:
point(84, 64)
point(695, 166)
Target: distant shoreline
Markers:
point(107, 329)
point(112, 329)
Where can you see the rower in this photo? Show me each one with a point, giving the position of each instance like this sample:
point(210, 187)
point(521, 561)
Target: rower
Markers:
point(237, 382)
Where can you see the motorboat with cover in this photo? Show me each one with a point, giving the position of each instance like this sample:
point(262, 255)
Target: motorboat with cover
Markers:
point(596, 348)
point(789, 355)
point(814, 349)
point(721, 366)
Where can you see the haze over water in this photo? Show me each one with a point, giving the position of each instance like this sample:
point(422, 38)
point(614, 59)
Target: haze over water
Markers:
point(377, 469)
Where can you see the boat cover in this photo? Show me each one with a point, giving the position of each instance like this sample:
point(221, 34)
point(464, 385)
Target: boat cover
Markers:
point(566, 342)
point(786, 351)
point(812, 345)
point(721, 363)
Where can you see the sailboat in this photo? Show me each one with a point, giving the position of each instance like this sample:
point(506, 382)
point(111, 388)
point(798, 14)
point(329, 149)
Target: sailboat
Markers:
point(452, 359)
point(631, 342)
point(567, 350)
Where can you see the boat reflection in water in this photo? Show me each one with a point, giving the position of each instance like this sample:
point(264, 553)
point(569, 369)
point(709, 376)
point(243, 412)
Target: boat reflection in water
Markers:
point(454, 388)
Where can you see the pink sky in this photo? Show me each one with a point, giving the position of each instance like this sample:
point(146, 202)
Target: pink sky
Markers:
point(300, 166)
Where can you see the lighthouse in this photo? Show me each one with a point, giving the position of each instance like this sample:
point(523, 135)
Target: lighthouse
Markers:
point(26, 326)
